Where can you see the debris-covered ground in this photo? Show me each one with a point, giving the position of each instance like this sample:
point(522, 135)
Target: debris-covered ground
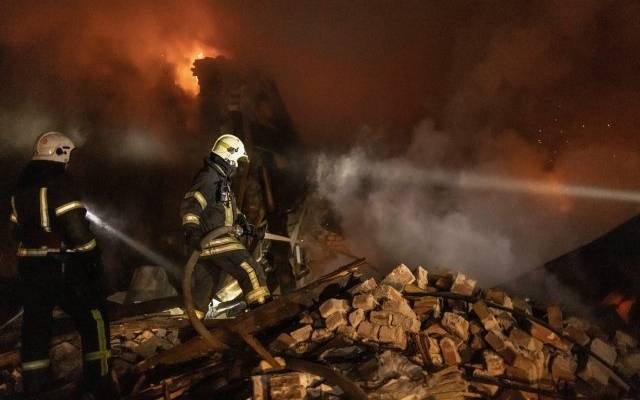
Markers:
point(413, 335)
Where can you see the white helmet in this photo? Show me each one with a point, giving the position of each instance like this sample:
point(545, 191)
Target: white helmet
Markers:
point(53, 146)
point(231, 149)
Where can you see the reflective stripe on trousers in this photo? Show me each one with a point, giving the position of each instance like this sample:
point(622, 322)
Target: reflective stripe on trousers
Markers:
point(103, 352)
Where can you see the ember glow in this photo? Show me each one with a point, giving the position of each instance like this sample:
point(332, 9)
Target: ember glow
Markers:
point(182, 59)
point(622, 304)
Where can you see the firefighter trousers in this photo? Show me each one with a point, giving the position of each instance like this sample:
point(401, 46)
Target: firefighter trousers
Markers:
point(241, 266)
point(46, 282)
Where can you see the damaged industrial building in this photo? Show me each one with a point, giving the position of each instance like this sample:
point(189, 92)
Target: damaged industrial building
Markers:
point(293, 200)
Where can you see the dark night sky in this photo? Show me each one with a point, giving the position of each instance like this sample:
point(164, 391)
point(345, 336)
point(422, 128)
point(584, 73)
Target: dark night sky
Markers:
point(531, 88)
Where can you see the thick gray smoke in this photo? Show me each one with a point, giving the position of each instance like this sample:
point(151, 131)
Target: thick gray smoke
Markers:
point(407, 209)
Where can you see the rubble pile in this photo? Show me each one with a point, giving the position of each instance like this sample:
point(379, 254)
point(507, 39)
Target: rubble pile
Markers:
point(131, 347)
point(415, 336)
point(131, 341)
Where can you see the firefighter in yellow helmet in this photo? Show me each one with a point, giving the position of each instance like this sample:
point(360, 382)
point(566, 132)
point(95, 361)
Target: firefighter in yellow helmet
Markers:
point(210, 204)
point(58, 264)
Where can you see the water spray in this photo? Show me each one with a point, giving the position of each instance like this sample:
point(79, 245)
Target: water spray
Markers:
point(400, 172)
point(470, 180)
point(133, 244)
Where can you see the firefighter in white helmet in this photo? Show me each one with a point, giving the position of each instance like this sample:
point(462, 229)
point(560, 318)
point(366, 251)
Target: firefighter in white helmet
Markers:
point(210, 204)
point(58, 264)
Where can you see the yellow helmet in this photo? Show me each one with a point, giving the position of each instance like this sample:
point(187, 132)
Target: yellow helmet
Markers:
point(53, 146)
point(231, 149)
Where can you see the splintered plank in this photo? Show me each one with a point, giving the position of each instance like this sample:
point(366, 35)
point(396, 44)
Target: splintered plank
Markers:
point(230, 332)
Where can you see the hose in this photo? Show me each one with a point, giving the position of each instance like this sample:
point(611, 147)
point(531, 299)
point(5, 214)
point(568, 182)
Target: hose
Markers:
point(186, 288)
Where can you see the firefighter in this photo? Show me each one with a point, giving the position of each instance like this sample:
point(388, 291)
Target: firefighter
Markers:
point(58, 264)
point(210, 204)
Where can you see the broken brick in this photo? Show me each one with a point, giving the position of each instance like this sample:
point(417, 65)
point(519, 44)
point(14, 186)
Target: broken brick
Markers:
point(302, 334)
point(320, 335)
point(594, 373)
point(387, 292)
point(603, 350)
point(547, 336)
point(501, 345)
point(367, 330)
point(365, 287)
point(400, 277)
point(364, 301)
point(463, 285)
point(347, 331)
point(422, 277)
point(563, 368)
point(380, 317)
point(401, 307)
point(498, 296)
point(456, 325)
point(554, 317)
point(393, 335)
point(335, 320)
point(577, 334)
point(333, 306)
point(523, 340)
point(356, 317)
point(449, 351)
point(486, 317)
point(427, 306)
point(282, 342)
point(493, 363)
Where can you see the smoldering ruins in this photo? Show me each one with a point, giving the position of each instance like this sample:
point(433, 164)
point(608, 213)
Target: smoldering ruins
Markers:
point(488, 142)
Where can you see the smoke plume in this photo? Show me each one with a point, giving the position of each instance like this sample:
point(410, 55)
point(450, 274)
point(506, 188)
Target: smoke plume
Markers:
point(542, 90)
point(407, 208)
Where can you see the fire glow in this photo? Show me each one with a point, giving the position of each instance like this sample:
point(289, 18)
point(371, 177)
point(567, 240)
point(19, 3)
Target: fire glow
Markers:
point(182, 59)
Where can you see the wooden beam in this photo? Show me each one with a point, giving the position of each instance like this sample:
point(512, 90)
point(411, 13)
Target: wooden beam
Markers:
point(266, 316)
point(260, 350)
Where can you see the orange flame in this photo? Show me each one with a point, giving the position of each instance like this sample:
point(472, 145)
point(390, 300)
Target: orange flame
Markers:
point(622, 304)
point(182, 59)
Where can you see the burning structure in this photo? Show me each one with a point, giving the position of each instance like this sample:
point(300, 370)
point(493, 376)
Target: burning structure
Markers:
point(489, 137)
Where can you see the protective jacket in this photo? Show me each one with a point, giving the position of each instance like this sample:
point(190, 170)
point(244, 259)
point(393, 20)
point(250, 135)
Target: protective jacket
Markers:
point(58, 264)
point(210, 204)
point(47, 212)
